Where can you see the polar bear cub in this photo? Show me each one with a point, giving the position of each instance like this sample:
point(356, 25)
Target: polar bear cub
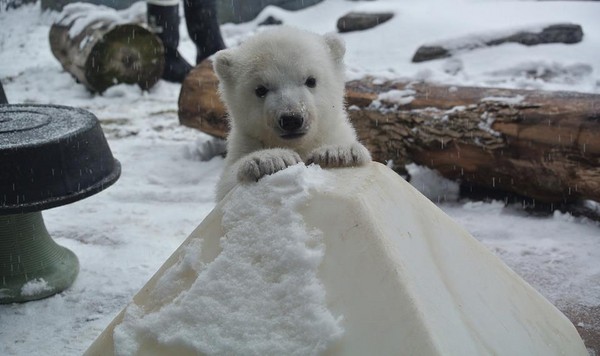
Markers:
point(284, 91)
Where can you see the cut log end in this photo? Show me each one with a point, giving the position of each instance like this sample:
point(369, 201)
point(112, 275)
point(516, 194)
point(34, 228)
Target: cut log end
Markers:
point(199, 91)
point(127, 54)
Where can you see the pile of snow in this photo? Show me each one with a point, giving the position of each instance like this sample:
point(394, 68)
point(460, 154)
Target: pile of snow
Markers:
point(398, 97)
point(80, 15)
point(260, 296)
point(432, 185)
point(35, 287)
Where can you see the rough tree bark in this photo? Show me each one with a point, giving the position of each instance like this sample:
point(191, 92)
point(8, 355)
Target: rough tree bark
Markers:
point(101, 53)
point(543, 145)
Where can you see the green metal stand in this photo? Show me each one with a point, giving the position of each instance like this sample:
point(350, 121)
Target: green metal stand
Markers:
point(32, 265)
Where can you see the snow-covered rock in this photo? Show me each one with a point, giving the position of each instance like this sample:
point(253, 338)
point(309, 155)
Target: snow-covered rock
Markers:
point(340, 262)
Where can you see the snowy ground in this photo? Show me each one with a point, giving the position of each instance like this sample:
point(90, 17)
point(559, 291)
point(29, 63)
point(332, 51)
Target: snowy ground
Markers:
point(123, 234)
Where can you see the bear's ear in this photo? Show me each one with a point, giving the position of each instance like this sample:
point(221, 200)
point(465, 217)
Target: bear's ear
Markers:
point(223, 64)
point(336, 45)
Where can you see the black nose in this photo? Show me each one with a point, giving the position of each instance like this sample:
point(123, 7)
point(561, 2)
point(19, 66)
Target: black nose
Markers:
point(290, 122)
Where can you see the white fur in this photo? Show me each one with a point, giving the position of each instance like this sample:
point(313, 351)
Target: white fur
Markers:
point(281, 60)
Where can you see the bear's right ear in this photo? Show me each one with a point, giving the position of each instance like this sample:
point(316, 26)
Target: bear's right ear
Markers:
point(336, 45)
point(223, 64)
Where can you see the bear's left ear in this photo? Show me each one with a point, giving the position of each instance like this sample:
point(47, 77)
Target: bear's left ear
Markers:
point(336, 45)
point(223, 64)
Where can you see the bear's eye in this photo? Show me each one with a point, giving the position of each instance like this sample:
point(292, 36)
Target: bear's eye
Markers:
point(311, 82)
point(261, 91)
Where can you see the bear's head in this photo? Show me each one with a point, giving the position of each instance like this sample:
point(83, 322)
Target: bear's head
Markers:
point(284, 86)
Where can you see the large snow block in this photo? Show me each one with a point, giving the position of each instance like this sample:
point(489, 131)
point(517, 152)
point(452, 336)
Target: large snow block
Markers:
point(398, 277)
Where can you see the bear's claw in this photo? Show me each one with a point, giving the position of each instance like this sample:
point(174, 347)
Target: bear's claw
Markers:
point(340, 156)
point(262, 163)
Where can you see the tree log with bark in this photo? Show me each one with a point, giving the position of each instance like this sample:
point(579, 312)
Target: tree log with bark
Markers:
point(102, 47)
point(543, 145)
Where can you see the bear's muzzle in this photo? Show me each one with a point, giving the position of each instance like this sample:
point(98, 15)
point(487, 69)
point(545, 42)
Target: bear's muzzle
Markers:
point(291, 125)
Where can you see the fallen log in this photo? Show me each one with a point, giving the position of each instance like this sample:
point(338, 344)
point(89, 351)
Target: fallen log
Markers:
point(558, 33)
point(543, 145)
point(359, 21)
point(102, 47)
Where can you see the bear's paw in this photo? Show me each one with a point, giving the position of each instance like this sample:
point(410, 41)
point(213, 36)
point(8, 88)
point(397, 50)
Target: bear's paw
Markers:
point(340, 156)
point(261, 163)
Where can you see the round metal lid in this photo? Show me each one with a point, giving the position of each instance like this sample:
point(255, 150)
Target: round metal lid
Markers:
point(50, 156)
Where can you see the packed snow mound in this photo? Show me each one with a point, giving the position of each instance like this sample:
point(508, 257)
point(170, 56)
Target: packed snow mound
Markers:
point(259, 296)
